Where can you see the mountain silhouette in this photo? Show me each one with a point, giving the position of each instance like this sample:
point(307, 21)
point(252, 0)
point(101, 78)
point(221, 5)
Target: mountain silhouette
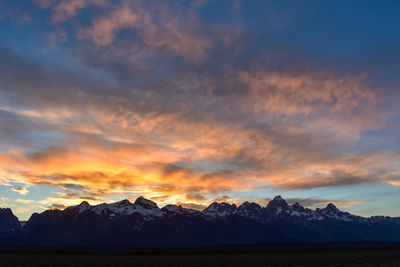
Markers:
point(144, 224)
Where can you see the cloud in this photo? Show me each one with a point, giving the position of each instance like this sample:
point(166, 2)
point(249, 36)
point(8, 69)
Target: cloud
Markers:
point(57, 206)
point(145, 98)
point(5, 202)
point(64, 10)
point(195, 196)
point(334, 178)
point(223, 198)
point(193, 206)
point(157, 25)
point(102, 32)
point(394, 182)
point(74, 196)
point(286, 93)
point(24, 201)
point(20, 190)
point(97, 168)
point(62, 200)
point(240, 159)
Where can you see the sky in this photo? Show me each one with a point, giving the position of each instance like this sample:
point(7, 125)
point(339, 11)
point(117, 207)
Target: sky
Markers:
point(190, 102)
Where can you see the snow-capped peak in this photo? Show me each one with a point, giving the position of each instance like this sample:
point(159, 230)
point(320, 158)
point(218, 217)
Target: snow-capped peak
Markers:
point(175, 209)
point(142, 206)
point(276, 208)
point(219, 209)
point(123, 207)
point(332, 208)
point(298, 210)
point(332, 212)
point(84, 206)
point(277, 205)
point(278, 200)
point(124, 202)
point(249, 206)
point(147, 208)
point(171, 208)
point(249, 210)
point(141, 201)
point(297, 206)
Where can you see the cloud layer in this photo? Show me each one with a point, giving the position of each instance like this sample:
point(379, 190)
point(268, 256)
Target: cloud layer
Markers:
point(163, 100)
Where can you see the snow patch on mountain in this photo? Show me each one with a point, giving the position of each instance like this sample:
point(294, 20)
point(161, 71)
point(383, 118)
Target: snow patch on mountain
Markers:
point(219, 209)
point(249, 210)
point(277, 208)
point(142, 206)
point(332, 212)
point(175, 209)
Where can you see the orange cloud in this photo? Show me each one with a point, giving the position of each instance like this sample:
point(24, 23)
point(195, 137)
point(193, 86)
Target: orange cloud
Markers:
point(135, 144)
point(103, 30)
point(96, 170)
point(394, 182)
point(160, 155)
point(100, 169)
point(285, 93)
point(158, 27)
point(62, 10)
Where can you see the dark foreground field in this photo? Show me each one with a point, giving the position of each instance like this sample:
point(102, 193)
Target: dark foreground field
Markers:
point(381, 257)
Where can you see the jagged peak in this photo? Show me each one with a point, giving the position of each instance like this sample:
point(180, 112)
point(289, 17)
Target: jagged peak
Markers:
point(247, 204)
point(171, 208)
point(298, 206)
point(84, 204)
point(124, 202)
point(331, 208)
point(178, 209)
point(220, 209)
point(214, 204)
point(220, 205)
point(249, 210)
point(141, 201)
point(5, 210)
point(278, 200)
point(276, 207)
point(331, 211)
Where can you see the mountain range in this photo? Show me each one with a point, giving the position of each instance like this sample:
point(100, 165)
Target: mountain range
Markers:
point(144, 224)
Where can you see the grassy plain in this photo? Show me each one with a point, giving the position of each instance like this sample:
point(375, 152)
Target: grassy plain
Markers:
point(370, 257)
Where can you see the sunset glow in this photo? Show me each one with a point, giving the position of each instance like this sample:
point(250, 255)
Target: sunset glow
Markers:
point(191, 102)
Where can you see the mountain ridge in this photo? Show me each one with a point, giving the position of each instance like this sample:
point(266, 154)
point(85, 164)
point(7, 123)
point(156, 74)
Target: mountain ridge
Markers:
point(143, 223)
